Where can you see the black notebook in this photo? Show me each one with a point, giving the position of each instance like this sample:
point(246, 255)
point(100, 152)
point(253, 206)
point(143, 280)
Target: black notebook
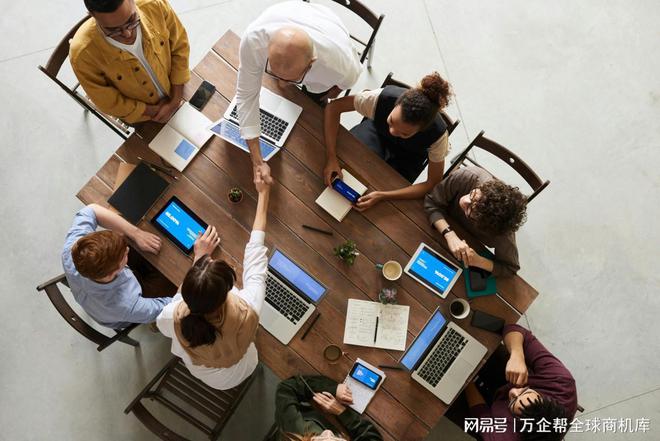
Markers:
point(138, 193)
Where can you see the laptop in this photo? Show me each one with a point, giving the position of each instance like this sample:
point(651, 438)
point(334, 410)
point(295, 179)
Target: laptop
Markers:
point(291, 297)
point(278, 116)
point(442, 357)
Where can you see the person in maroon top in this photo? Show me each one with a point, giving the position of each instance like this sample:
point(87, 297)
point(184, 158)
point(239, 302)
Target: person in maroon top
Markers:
point(539, 389)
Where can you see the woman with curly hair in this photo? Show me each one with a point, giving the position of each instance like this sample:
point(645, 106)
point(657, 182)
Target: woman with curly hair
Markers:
point(400, 125)
point(485, 206)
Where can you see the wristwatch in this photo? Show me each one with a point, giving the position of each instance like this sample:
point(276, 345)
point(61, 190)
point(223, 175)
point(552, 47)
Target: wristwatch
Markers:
point(445, 231)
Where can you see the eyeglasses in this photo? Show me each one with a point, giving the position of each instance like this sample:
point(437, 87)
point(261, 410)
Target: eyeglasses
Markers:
point(132, 23)
point(296, 82)
point(513, 400)
point(473, 203)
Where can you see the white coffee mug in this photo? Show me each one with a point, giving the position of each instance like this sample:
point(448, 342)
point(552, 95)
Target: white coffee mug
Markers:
point(391, 270)
point(462, 303)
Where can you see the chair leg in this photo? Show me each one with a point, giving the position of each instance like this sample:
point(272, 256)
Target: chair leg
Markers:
point(129, 341)
point(370, 55)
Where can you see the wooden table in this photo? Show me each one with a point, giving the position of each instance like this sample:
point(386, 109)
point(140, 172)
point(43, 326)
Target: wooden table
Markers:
point(402, 409)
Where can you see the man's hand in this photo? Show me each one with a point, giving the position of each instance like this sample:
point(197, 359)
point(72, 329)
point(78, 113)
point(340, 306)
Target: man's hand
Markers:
point(152, 109)
point(147, 242)
point(262, 174)
point(166, 111)
point(331, 168)
point(206, 243)
point(516, 370)
point(458, 247)
point(344, 394)
point(328, 403)
point(261, 184)
point(368, 200)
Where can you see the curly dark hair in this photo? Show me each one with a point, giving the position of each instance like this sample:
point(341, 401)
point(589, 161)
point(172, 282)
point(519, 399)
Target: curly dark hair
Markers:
point(103, 5)
point(420, 105)
point(501, 208)
point(549, 410)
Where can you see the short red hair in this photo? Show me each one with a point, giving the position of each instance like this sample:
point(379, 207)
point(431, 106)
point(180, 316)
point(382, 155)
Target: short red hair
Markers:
point(98, 254)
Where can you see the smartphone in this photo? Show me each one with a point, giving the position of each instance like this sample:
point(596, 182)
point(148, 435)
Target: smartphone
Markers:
point(202, 95)
point(486, 321)
point(478, 279)
point(343, 189)
point(365, 376)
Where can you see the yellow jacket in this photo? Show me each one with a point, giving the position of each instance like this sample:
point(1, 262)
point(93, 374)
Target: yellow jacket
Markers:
point(114, 79)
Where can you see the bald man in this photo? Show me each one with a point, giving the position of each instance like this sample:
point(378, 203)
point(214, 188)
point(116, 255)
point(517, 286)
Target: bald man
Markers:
point(297, 43)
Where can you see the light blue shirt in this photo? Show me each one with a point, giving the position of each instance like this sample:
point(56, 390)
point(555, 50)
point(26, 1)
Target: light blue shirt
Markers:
point(115, 304)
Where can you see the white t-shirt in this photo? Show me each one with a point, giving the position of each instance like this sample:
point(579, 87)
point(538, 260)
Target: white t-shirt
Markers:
point(137, 51)
point(255, 265)
point(337, 64)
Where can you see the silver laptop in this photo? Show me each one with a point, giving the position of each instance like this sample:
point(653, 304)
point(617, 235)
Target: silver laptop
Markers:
point(278, 116)
point(442, 357)
point(291, 297)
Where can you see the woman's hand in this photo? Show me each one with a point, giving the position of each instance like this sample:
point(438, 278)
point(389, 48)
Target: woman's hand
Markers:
point(328, 403)
point(458, 247)
point(344, 394)
point(368, 200)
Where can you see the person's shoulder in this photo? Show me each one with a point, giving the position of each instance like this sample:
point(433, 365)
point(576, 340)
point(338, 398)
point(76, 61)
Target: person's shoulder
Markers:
point(83, 39)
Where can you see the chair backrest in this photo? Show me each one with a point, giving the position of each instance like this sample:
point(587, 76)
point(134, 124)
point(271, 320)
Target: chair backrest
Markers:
point(368, 16)
point(507, 156)
point(450, 123)
point(202, 406)
point(75, 321)
point(52, 69)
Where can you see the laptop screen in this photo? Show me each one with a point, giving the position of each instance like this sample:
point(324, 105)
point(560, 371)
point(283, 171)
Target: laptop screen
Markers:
point(296, 276)
point(425, 339)
point(436, 271)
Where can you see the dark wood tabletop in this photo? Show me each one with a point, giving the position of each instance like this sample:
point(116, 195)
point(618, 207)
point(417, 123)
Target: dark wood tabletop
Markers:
point(402, 409)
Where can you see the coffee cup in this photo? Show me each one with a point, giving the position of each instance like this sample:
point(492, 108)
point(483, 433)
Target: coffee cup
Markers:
point(391, 270)
point(332, 354)
point(459, 308)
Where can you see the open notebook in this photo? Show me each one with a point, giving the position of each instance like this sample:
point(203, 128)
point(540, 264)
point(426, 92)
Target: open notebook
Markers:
point(182, 137)
point(375, 325)
point(336, 204)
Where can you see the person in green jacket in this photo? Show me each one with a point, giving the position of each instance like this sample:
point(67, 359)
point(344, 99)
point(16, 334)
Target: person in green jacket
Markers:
point(298, 420)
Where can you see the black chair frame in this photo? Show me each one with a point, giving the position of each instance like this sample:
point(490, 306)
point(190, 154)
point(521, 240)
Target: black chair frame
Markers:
point(72, 318)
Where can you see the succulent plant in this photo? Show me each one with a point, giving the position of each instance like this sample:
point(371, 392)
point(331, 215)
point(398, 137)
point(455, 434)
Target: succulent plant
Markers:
point(347, 252)
point(387, 296)
point(235, 194)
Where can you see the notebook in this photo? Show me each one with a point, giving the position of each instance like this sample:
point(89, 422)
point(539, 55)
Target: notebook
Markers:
point(376, 325)
point(139, 191)
point(491, 285)
point(336, 204)
point(182, 137)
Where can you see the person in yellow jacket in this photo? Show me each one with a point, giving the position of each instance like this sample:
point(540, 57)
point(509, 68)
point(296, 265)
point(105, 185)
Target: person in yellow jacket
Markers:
point(131, 58)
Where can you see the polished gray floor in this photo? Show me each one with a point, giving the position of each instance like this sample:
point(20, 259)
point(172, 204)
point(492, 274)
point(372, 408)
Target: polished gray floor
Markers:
point(571, 86)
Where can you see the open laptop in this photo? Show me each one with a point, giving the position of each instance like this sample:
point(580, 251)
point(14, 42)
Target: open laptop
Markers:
point(278, 116)
point(291, 297)
point(442, 357)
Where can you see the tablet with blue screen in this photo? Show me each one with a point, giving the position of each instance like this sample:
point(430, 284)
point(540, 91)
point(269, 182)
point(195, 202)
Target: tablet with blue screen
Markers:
point(179, 224)
point(432, 270)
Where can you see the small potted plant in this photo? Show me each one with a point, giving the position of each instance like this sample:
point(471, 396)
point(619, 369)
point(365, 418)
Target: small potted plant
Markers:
point(347, 252)
point(235, 195)
point(387, 296)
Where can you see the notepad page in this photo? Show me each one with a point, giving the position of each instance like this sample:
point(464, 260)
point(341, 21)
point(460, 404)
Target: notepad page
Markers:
point(361, 330)
point(173, 147)
point(334, 203)
point(192, 124)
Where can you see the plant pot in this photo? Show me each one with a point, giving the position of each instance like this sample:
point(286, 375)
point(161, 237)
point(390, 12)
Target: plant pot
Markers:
point(235, 195)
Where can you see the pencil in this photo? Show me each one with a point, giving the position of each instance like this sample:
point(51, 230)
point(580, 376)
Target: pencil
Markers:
point(318, 230)
point(387, 366)
point(310, 326)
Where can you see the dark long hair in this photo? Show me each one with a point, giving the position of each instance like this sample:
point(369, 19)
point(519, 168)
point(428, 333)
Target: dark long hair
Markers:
point(420, 105)
point(204, 290)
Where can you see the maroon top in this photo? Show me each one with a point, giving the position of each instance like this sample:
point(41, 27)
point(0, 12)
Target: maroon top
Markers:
point(546, 375)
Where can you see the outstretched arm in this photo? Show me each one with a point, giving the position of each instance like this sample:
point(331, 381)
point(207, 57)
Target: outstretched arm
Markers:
point(112, 221)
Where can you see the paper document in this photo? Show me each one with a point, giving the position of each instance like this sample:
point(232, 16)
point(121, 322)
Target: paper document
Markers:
point(376, 325)
point(362, 395)
point(182, 137)
point(336, 204)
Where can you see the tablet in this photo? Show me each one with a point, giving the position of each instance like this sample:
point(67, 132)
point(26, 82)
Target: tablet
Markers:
point(432, 270)
point(179, 224)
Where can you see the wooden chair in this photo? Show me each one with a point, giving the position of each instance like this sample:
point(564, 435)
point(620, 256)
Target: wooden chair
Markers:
point(507, 156)
point(451, 124)
point(72, 318)
point(52, 69)
point(200, 405)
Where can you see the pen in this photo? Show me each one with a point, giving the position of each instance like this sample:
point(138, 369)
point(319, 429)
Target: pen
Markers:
point(310, 326)
point(318, 230)
point(167, 171)
point(376, 330)
point(387, 366)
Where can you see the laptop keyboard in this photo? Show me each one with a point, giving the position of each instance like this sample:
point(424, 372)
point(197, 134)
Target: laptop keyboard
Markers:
point(288, 304)
point(271, 125)
point(442, 357)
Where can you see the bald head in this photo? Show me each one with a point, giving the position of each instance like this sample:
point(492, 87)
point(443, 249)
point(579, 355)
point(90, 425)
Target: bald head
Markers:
point(290, 53)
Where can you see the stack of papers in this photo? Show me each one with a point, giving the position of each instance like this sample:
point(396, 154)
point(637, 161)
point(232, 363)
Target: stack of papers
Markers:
point(376, 325)
point(183, 137)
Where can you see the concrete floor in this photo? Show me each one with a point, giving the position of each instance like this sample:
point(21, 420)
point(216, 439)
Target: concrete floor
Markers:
point(571, 86)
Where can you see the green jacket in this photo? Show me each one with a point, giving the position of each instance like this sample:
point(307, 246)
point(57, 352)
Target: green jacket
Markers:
point(294, 414)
